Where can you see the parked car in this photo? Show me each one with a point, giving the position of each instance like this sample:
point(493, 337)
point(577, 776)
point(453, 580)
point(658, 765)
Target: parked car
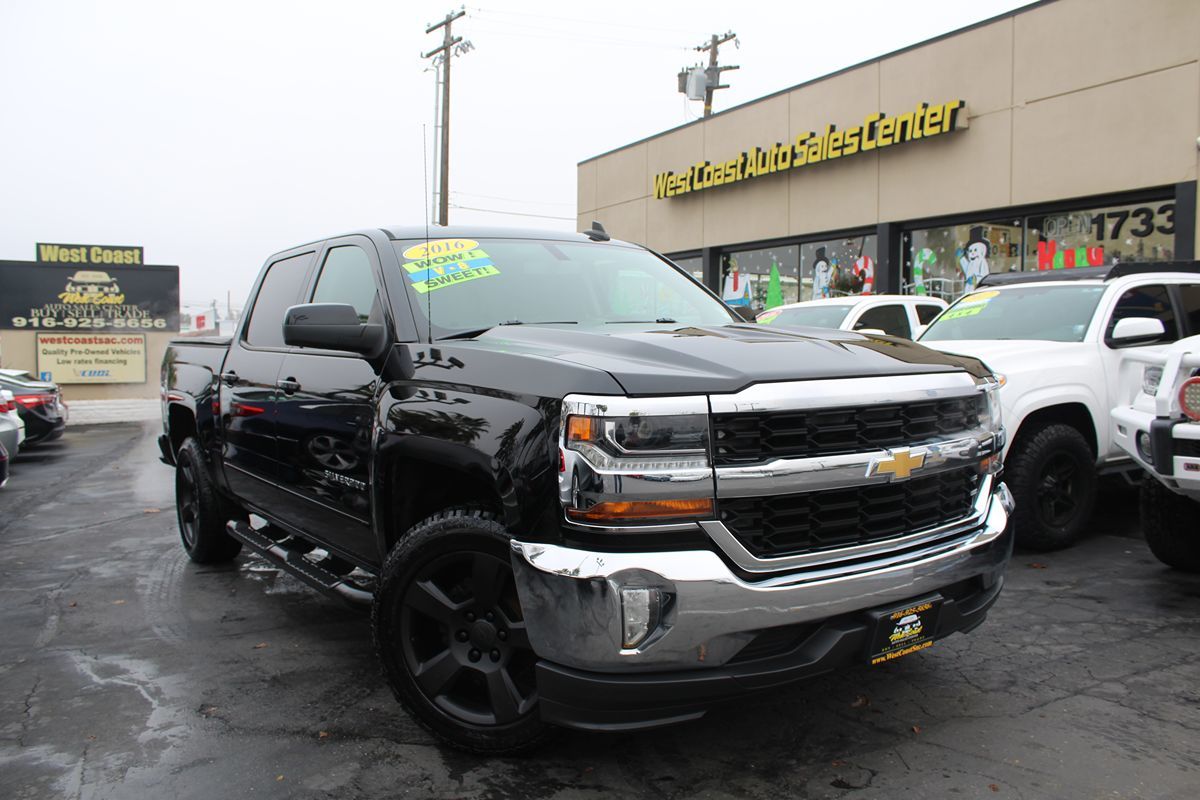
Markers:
point(10, 434)
point(8, 408)
point(609, 511)
point(893, 314)
point(1060, 338)
point(1160, 430)
point(3, 465)
point(39, 403)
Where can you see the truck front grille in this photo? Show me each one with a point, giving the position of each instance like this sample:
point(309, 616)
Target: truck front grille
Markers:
point(753, 437)
point(795, 523)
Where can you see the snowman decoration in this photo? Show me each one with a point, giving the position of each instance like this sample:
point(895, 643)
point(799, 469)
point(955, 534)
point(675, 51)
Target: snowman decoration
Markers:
point(822, 275)
point(974, 262)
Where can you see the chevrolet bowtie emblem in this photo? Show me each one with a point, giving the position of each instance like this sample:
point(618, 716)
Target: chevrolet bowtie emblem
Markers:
point(900, 464)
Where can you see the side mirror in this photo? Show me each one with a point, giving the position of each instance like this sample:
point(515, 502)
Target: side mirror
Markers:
point(332, 326)
point(745, 312)
point(1137, 330)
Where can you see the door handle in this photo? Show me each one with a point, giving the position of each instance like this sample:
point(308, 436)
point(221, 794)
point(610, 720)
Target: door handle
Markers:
point(229, 378)
point(288, 385)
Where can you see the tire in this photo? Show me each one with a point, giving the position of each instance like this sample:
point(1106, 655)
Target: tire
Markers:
point(1052, 474)
point(451, 638)
point(198, 507)
point(1169, 525)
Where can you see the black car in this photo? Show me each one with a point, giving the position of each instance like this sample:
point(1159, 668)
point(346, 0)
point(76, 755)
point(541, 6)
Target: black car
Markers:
point(39, 403)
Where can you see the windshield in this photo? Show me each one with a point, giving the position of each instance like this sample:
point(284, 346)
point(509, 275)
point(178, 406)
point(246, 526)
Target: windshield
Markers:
point(815, 316)
point(1050, 313)
point(464, 285)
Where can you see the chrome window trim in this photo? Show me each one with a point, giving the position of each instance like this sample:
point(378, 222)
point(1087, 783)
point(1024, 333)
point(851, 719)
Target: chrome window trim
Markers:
point(729, 544)
point(784, 476)
point(845, 392)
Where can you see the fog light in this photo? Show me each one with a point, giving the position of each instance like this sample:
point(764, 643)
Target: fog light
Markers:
point(640, 611)
point(1143, 447)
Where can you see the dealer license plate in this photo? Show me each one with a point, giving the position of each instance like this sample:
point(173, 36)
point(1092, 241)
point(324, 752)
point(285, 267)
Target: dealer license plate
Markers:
point(904, 629)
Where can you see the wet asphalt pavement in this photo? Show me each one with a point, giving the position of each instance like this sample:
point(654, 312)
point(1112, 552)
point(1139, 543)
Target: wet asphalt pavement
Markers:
point(128, 672)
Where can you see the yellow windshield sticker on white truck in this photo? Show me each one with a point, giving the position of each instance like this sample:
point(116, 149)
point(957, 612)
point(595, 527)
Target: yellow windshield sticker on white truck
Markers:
point(970, 305)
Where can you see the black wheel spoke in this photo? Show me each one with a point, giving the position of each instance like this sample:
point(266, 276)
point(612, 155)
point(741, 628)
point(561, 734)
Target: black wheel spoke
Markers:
point(438, 672)
point(518, 636)
point(506, 700)
point(488, 574)
point(426, 598)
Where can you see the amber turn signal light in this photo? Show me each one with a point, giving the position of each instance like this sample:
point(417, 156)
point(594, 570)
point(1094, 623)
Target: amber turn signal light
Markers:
point(633, 510)
point(582, 429)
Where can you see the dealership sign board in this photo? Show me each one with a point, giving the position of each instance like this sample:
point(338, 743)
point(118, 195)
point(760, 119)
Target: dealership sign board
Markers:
point(104, 254)
point(91, 357)
point(877, 132)
point(88, 298)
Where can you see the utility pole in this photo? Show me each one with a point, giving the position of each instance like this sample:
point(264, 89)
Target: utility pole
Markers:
point(713, 73)
point(448, 41)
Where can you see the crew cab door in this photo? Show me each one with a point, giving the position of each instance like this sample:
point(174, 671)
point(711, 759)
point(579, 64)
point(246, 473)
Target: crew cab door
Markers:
point(1152, 300)
point(248, 376)
point(326, 414)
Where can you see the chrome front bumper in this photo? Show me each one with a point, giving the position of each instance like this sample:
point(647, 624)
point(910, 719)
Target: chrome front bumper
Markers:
point(572, 607)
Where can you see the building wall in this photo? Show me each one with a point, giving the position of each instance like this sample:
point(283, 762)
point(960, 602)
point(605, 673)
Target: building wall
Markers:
point(18, 351)
point(1065, 99)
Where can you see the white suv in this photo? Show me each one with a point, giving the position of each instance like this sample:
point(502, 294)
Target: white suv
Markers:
point(894, 314)
point(1160, 429)
point(1058, 338)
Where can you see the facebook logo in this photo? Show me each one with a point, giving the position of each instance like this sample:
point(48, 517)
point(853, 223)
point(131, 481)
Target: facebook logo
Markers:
point(45, 376)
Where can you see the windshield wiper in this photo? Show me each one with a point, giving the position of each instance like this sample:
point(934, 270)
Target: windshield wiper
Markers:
point(473, 332)
point(659, 321)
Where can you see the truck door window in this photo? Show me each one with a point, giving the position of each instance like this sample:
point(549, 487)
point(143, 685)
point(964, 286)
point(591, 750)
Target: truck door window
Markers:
point(891, 319)
point(280, 289)
point(1191, 306)
point(926, 313)
point(346, 277)
point(1146, 301)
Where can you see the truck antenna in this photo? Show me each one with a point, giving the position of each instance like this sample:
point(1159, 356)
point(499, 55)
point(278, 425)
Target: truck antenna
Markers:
point(428, 301)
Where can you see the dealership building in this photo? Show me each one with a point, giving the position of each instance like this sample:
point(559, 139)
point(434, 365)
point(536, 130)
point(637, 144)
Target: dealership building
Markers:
point(1062, 134)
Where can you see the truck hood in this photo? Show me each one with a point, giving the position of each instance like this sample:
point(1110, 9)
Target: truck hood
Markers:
point(1014, 356)
point(715, 360)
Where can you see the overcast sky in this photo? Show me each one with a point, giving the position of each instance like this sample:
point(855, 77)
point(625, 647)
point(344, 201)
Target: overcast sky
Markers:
point(215, 133)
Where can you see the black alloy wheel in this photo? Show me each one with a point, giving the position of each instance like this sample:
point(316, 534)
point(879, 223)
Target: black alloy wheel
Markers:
point(465, 642)
point(187, 504)
point(451, 636)
point(1059, 490)
point(201, 512)
point(1051, 470)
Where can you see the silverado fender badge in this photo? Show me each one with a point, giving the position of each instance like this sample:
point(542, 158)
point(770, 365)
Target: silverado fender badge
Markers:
point(900, 464)
point(335, 477)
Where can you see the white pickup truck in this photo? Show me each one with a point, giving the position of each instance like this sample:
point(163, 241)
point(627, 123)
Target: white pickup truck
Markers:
point(1059, 339)
point(1160, 430)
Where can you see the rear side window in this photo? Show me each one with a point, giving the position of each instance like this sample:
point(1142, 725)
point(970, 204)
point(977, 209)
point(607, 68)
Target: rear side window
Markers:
point(280, 290)
point(926, 313)
point(1146, 301)
point(1191, 307)
point(347, 278)
point(892, 320)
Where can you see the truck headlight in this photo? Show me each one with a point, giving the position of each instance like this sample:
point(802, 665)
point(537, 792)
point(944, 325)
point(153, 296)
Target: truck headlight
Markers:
point(629, 461)
point(990, 415)
point(1151, 378)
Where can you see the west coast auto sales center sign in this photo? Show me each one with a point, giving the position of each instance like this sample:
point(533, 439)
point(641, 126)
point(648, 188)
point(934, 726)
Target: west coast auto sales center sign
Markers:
point(87, 316)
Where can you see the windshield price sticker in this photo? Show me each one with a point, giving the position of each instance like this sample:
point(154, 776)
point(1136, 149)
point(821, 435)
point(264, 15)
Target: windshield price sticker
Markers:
point(447, 262)
point(970, 305)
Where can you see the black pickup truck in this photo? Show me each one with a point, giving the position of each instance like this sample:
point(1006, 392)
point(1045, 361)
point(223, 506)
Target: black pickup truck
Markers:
point(574, 487)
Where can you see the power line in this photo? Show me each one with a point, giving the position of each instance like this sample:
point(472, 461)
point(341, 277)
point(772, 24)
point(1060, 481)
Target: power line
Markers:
point(515, 199)
point(576, 20)
point(573, 38)
point(512, 213)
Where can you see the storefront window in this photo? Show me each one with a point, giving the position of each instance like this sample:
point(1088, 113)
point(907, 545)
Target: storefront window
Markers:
point(1101, 236)
point(747, 277)
point(838, 267)
point(946, 262)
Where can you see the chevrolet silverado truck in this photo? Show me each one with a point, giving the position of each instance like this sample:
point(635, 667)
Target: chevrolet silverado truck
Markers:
point(574, 487)
point(1059, 340)
point(1160, 430)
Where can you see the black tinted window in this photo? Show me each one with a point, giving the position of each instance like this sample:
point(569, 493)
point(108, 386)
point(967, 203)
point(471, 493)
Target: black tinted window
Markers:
point(280, 289)
point(1191, 307)
point(892, 320)
point(1146, 301)
point(925, 314)
point(346, 277)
